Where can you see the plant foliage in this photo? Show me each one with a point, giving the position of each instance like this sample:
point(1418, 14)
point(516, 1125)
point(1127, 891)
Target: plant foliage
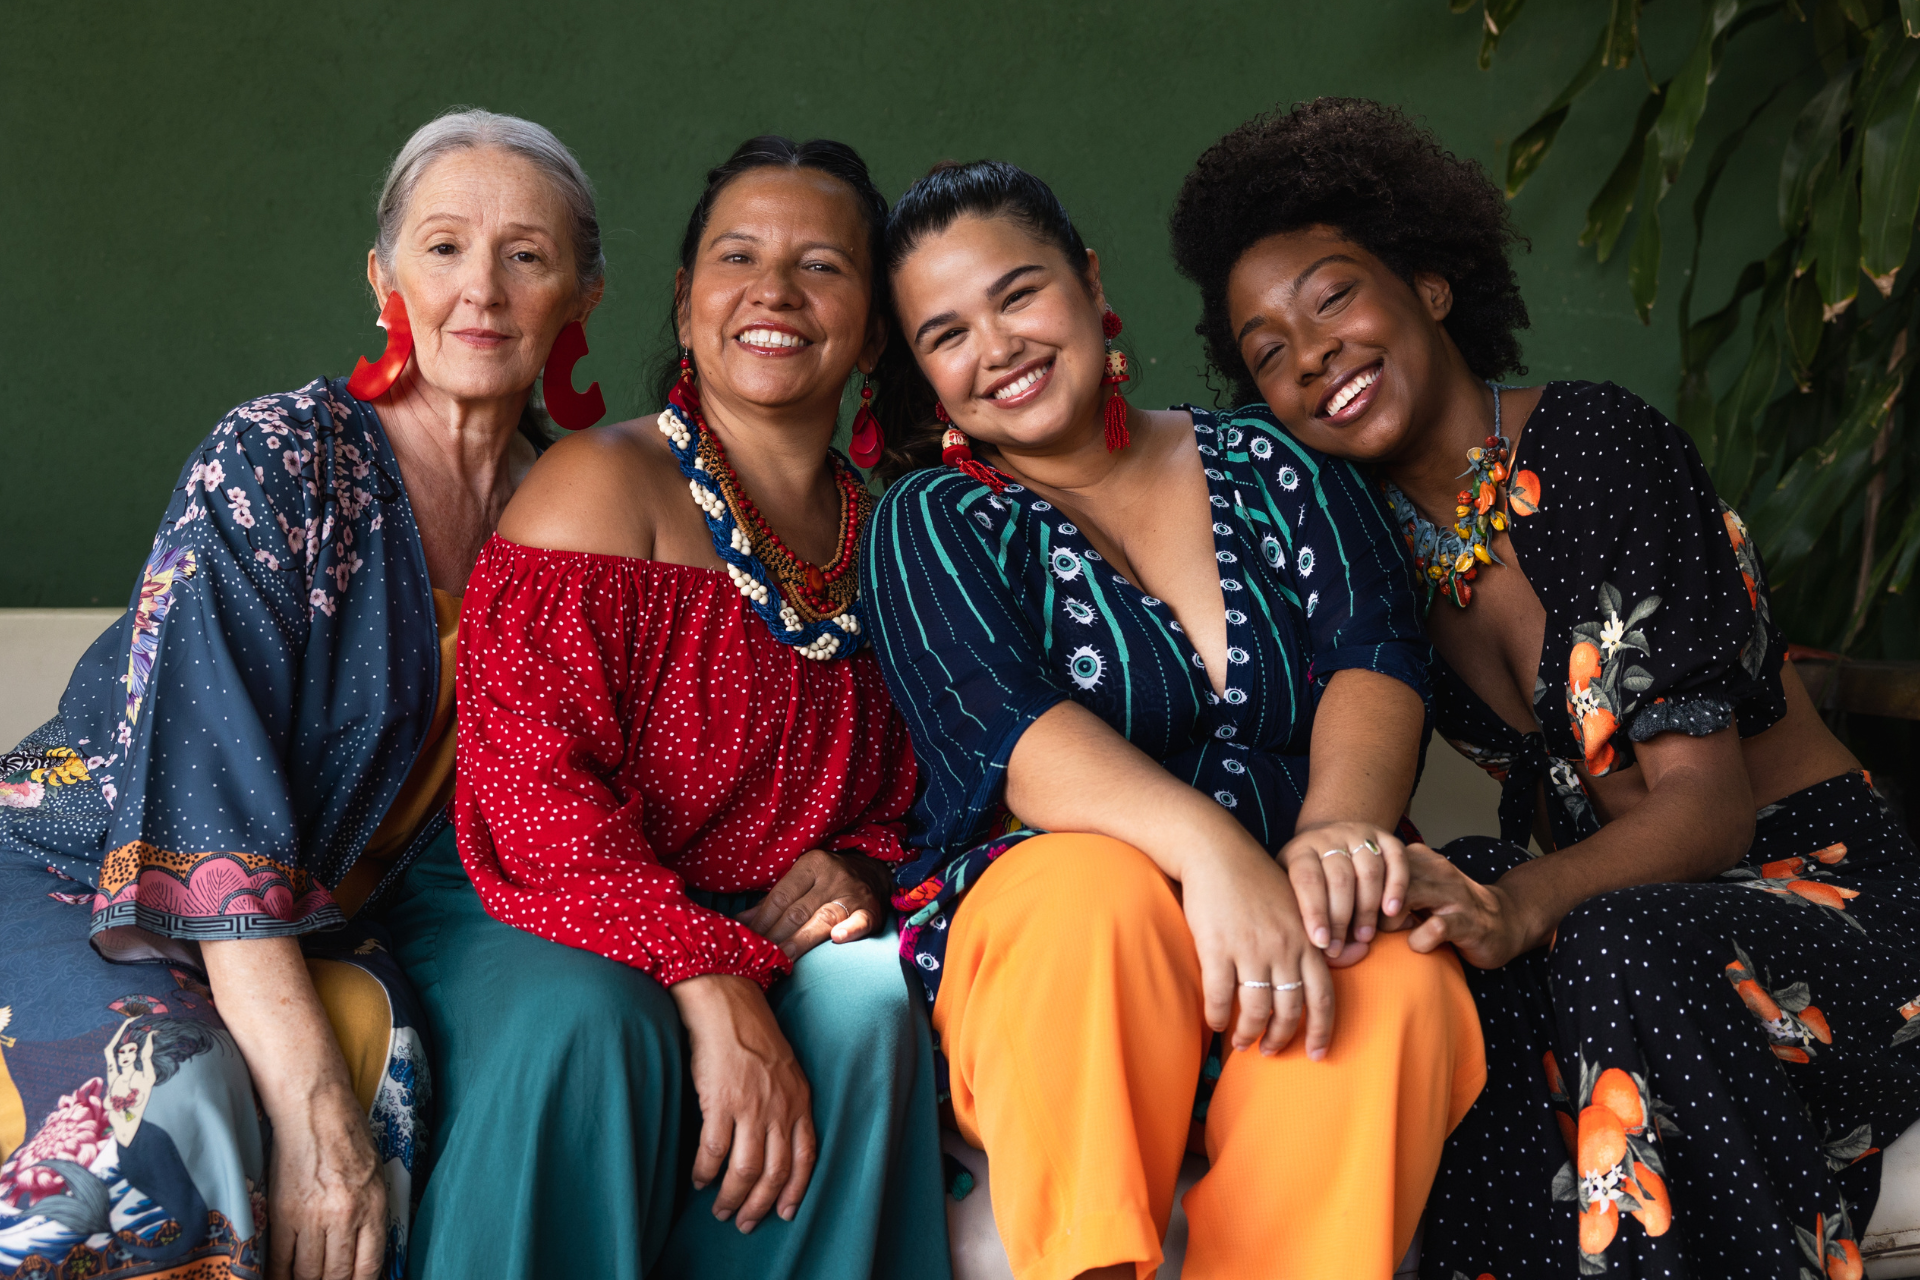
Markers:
point(1810, 436)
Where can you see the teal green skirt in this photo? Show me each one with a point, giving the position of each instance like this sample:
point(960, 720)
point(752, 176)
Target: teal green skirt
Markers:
point(563, 1140)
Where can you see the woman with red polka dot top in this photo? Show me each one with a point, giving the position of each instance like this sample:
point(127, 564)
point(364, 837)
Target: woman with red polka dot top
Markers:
point(681, 791)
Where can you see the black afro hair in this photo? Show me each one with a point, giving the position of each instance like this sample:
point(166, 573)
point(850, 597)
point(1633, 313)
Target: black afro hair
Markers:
point(1386, 184)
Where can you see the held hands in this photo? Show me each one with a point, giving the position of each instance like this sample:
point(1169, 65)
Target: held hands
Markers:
point(1350, 879)
point(1487, 923)
point(842, 896)
point(754, 1101)
point(1255, 951)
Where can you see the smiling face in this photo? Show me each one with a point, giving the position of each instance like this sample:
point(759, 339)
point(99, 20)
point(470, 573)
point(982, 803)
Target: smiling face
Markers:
point(485, 264)
point(1006, 330)
point(777, 309)
point(1343, 350)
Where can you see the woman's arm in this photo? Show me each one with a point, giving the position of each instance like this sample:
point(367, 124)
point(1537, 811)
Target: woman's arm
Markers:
point(328, 1204)
point(1070, 771)
point(1696, 821)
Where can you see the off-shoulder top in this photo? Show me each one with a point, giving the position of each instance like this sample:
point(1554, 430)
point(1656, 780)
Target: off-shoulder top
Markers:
point(628, 728)
point(1656, 600)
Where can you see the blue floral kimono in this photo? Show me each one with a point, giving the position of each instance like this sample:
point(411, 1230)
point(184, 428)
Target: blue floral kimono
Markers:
point(219, 760)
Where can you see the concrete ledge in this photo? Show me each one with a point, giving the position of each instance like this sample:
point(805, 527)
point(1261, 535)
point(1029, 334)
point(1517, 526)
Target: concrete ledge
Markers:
point(38, 648)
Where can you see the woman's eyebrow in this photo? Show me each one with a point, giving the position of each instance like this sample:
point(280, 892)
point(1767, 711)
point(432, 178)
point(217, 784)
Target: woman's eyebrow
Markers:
point(1300, 280)
point(945, 317)
point(1001, 285)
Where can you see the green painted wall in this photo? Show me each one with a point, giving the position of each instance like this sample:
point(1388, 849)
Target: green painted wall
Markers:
point(186, 191)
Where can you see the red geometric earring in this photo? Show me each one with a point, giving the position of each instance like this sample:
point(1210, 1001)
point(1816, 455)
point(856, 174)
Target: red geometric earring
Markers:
point(956, 451)
point(371, 381)
point(1114, 416)
point(573, 410)
point(868, 440)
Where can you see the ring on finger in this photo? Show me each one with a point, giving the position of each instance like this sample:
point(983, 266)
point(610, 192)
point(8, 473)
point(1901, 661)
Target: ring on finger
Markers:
point(1264, 986)
point(1345, 853)
point(1288, 986)
point(1368, 847)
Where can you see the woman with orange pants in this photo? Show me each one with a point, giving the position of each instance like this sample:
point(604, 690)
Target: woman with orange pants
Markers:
point(1134, 627)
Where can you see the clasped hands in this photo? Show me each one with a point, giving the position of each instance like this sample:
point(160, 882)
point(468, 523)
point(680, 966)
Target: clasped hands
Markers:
point(1267, 949)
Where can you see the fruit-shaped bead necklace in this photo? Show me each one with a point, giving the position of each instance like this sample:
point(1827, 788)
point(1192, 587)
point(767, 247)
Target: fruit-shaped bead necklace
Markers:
point(1450, 559)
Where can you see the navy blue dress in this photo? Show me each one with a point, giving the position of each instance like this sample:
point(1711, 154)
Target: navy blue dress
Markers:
point(987, 610)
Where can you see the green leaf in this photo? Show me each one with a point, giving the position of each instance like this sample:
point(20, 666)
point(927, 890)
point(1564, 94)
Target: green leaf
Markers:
point(1495, 17)
point(1623, 34)
point(1531, 147)
point(1703, 340)
point(1855, 11)
point(1834, 234)
point(1790, 521)
point(1459, 6)
point(1608, 212)
point(1803, 324)
point(1643, 262)
point(1814, 136)
point(1890, 182)
point(1686, 95)
point(1736, 449)
point(1910, 17)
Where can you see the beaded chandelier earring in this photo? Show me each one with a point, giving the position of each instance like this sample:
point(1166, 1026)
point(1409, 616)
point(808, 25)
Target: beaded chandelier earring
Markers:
point(956, 451)
point(1115, 414)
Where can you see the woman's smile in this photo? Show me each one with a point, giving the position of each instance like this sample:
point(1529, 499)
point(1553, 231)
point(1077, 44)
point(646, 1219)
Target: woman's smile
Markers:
point(775, 341)
point(1350, 395)
point(1022, 386)
point(485, 339)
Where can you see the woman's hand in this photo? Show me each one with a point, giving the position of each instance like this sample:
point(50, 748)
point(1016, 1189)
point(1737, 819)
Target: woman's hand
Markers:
point(1488, 924)
point(1247, 928)
point(842, 896)
point(326, 1200)
point(754, 1101)
point(1347, 874)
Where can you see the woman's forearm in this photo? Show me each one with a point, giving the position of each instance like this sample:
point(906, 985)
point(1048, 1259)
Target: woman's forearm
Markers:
point(267, 999)
point(1366, 747)
point(1696, 821)
point(1071, 772)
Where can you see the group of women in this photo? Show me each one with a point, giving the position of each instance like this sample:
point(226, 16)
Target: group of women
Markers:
point(554, 816)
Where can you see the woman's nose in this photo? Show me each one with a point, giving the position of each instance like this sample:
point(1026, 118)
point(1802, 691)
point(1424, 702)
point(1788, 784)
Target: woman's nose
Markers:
point(778, 288)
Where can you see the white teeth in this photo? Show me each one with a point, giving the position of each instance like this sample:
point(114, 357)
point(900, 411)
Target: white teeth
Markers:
point(1020, 384)
point(772, 338)
point(1344, 396)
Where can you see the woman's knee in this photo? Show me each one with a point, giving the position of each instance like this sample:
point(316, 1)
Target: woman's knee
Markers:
point(1090, 881)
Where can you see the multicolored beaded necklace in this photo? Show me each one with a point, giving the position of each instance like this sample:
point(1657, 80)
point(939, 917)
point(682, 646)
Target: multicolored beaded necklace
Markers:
point(803, 605)
point(1449, 560)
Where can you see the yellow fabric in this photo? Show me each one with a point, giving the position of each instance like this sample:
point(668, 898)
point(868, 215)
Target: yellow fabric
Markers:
point(1070, 1012)
point(362, 1020)
point(429, 783)
point(13, 1112)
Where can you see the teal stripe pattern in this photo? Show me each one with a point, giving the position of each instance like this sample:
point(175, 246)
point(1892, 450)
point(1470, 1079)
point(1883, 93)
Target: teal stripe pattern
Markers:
point(987, 610)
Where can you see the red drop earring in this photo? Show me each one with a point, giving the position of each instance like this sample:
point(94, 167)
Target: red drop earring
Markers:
point(956, 451)
point(1114, 416)
point(573, 410)
point(868, 440)
point(371, 381)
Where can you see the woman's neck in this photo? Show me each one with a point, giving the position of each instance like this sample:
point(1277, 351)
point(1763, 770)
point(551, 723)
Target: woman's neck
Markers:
point(780, 455)
point(448, 445)
point(1075, 462)
point(1428, 467)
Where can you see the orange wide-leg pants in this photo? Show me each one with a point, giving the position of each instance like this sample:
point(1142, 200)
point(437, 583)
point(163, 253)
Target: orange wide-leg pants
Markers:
point(1071, 1015)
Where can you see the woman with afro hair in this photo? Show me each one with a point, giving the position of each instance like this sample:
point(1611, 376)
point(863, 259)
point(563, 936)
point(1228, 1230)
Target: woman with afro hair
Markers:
point(1695, 1002)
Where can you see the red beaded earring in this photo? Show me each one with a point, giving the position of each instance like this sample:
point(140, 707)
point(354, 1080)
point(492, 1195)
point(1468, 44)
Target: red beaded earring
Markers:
point(1115, 414)
point(371, 381)
point(957, 452)
point(685, 392)
point(868, 441)
point(573, 410)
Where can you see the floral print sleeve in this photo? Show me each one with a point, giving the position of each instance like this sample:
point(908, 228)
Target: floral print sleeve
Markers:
point(225, 749)
point(1657, 617)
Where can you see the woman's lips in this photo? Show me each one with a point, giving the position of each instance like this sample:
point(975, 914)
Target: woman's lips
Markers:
point(772, 340)
point(485, 339)
point(1351, 396)
point(1022, 387)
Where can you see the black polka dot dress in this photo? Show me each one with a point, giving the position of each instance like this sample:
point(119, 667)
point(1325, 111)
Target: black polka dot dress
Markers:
point(1693, 1079)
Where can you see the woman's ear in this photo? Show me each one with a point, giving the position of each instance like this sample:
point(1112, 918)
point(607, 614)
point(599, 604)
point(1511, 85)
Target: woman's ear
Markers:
point(593, 300)
point(1093, 281)
point(1435, 294)
point(376, 279)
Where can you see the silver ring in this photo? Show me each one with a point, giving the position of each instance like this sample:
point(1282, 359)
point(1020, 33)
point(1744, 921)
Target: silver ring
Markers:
point(1369, 847)
point(1344, 852)
point(1264, 986)
point(1290, 986)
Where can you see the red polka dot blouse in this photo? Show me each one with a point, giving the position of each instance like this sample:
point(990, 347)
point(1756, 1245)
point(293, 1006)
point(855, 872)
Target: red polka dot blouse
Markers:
point(629, 728)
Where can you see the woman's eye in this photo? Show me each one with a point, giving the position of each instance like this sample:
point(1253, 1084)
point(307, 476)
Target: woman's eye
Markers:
point(1267, 357)
point(443, 249)
point(1018, 295)
point(734, 258)
point(526, 255)
point(950, 333)
point(822, 266)
point(1336, 296)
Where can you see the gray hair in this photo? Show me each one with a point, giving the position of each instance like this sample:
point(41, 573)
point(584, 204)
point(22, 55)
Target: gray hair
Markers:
point(470, 129)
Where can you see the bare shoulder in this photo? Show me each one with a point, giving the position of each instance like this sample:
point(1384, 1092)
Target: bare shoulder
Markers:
point(596, 491)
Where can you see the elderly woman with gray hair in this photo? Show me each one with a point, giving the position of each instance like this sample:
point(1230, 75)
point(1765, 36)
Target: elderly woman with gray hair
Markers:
point(255, 751)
